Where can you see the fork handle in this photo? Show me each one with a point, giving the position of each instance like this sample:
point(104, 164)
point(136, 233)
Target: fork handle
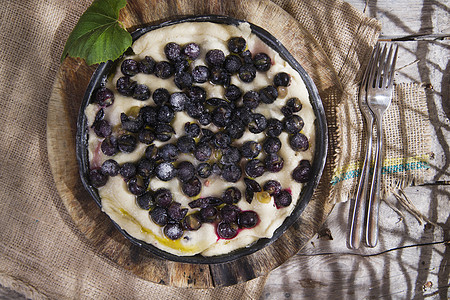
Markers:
point(359, 205)
point(374, 196)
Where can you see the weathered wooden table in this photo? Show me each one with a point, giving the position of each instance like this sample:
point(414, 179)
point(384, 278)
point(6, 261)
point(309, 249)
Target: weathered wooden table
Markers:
point(412, 260)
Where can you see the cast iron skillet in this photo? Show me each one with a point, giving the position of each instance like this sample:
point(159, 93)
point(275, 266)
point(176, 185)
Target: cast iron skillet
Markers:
point(99, 77)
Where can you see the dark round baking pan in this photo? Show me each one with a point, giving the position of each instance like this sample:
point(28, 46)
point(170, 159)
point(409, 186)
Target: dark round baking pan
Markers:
point(98, 79)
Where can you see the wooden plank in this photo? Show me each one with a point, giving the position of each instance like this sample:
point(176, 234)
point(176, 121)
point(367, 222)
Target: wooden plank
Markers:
point(408, 18)
point(412, 259)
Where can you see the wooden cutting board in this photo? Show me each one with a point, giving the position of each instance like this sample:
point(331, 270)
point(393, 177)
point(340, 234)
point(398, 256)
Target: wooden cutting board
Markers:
point(71, 82)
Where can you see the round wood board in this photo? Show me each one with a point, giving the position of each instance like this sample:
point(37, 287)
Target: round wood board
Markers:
point(68, 91)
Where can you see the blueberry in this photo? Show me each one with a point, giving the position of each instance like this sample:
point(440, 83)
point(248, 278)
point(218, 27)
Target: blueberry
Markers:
point(231, 173)
point(97, 178)
point(272, 145)
point(247, 73)
point(204, 170)
point(109, 146)
point(172, 51)
point(185, 171)
point(126, 143)
point(110, 167)
point(286, 111)
point(302, 173)
point(274, 163)
point(163, 132)
point(191, 50)
point(202, 151)
point(235, 129)
point(207, 135)
point(268, 94)
point(252, 185)
point(151, 152)
point(178, 101)
point(141, 92)
point(236, 44)
point(146, 136)
point(159, 216)
point(217, 102)
point(251, 99)
point(161, 96)
point(208, 214)
point(299, 142)
point(175, 211)
point(148, 115)
point(205, 202)
point(99, 115)
point(233, 93)
point(251, 149)
point(219, 76)
point(282, 79)
point(294, 104)
point(173, 231)
point(192, 222)
point(102, 128)
point(262, 62)
point(192, 187)
point(145, 201)
point(135, 186)
point(258, 123)
point(104, 97)
point(254, 168)
point(145, 167)
point(293, 124)
point(232, 64)
point(221, 116)
point(216, 169)
point(274, 127)
point(147, 65)
point(231, 195)
point(229, 213)
point(222, 140)
point(196, 93)
point(283, 199)
point(246, 55)
point(194, 109)
point(162, 197)
point(165, 171)
point(215, 57)
point(128, 170)
point(273, 187)
point(227, 230)
point(168, 152)
point(230, 155)
point(205, 119)
point(130, 123)
point(244, 114)
point(192, 129)
point(165, 114)
point(164, 69)
point(125, 86)
point(247, 219)
point(186, 144)
point(200, 74)
point(183, 80)
point(181, 65)
point(129, 67)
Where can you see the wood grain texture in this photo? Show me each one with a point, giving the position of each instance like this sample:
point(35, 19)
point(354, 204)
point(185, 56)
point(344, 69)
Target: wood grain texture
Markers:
point(68, 91)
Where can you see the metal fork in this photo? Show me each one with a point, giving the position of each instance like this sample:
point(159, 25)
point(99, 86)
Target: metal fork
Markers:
point(359, 205)
point(379, 95)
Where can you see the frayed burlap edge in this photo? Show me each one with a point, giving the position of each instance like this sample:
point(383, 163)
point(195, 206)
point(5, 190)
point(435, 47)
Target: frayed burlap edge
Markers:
point(20, 287)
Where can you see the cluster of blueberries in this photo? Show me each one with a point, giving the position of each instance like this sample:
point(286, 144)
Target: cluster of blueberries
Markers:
point(213, 150)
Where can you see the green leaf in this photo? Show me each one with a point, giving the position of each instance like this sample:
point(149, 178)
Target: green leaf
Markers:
point(98, 35)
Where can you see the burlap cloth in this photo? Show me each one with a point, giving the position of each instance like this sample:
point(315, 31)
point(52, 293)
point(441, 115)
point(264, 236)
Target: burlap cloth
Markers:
point(43, 255)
